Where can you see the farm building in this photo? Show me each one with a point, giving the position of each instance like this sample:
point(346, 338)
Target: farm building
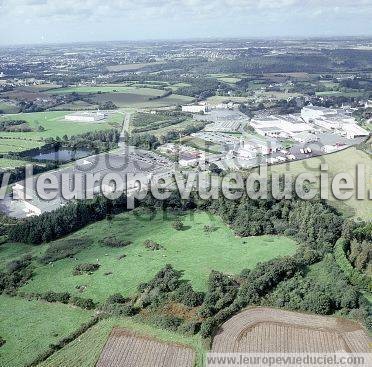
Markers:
point(86, 116)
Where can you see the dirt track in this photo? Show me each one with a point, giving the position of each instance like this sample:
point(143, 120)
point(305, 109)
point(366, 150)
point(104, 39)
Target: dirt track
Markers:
point(259, 330)
point(124, 348)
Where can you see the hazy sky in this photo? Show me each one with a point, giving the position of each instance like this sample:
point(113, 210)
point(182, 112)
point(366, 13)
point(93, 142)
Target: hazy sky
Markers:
point(38, 21)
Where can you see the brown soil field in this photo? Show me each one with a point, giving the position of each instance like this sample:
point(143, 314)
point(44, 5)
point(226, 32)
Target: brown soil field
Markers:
point(125, 348)
point(260, 330)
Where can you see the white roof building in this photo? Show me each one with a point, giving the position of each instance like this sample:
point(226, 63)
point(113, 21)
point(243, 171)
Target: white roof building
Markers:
point(253, 145)
point(86, 116)
point(327, 118)
point(311, 113)
point(195, 108)
point(280, 125)
point(354, 131)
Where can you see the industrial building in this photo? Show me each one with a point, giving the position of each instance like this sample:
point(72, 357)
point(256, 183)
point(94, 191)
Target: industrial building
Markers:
point(353, 131)
point(195, 108)
point(251, 145)
point(86, 116)
point(225, 126)
point(280, 125)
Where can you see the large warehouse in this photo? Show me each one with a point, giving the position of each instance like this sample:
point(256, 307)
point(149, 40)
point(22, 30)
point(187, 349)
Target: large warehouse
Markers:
point(86, 116)
point(251, 145)
point(280, 125)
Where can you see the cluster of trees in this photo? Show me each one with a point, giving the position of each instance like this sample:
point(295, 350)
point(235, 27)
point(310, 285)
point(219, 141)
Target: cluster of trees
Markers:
point(200, 88)
point(305, 292)
point(117, 305)
point(311, 222)
point(60, 297)
point(29, 106)
point(165, 94)
point(226, 295)
point(99, 141)
point(353, 253)
point(152, 245)
point(153, 292)
point(80, 269)
point(360, 255)
point(178, 225)
point(16, 274)
point(115, 242)
point(363, 114)
point(109, 105)
point(66, 247)
point(159, 124)
point(15, 125)
point(65, 220)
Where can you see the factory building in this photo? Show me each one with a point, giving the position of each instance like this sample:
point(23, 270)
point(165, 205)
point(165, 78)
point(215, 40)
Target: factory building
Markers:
point(195, 108)
point(280, 125)
point(354, 131)
point(311, 113)
point(86, 116)
point(250, 146)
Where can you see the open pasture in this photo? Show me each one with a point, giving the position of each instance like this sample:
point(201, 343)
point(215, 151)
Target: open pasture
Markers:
point(192, 250)
point(260, 330)
point(29, 327)
point(344, 161)
point(17, 145)
point(141, 98)
point(54, 124)
point(112, 88)
point(10, 163)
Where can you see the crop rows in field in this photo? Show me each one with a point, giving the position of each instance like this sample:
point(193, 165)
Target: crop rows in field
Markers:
point(260, 330)
point(125, 348)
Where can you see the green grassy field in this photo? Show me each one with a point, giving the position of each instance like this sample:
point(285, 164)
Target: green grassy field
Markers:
point(126, 96)
point(350, 93)
point(18, 145)
point(54, 125)
point(10, 163)
point(140, 98)
point(30, 326)
point(75, 106)
point(12, 251)
point(342, 161)
point(85, 351)
point(192, 251)
point(102, 89)
point(201, 144)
